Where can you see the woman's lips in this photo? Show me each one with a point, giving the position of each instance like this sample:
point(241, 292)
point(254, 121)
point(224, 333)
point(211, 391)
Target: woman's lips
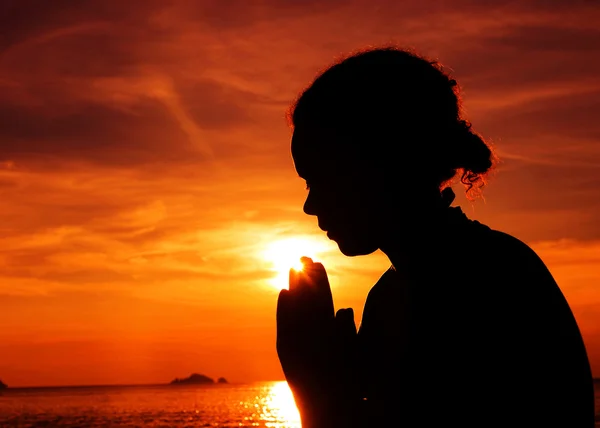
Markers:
point(327, 230)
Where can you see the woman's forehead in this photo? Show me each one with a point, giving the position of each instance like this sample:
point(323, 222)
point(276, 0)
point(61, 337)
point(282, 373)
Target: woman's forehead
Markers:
point(322, 156)
point(306, 158)
point(310, 140)
point(311, 150)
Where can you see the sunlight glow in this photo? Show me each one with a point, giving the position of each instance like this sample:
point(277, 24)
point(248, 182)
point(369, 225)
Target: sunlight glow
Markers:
point(280, 409)
point(286, 253)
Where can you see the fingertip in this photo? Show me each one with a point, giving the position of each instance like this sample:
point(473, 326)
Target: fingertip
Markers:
point(319, 266)
point(320, 277)
point(306, 261)
point(282, 298)
point(345, 321)
point(345, 314)
point(293, 279)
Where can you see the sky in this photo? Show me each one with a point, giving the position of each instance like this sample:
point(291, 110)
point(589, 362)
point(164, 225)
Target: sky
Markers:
point(148, 189)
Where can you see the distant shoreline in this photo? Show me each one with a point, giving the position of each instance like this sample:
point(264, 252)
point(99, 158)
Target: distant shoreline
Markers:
point(133, 385)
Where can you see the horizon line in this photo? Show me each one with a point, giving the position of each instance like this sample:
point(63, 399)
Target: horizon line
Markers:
point(131, 384)
point(106, 385)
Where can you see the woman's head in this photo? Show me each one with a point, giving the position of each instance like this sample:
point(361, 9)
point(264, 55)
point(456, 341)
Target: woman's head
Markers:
point(378, 131)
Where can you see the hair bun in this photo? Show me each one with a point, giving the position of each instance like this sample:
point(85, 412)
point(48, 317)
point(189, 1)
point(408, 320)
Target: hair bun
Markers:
point(473, 156)
point(477, 155)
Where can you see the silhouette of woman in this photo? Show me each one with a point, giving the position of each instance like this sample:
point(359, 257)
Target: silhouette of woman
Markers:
point(467, 328)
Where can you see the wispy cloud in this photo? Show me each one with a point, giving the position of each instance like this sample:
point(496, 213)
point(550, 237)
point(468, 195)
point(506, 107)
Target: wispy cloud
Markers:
point(144, 163)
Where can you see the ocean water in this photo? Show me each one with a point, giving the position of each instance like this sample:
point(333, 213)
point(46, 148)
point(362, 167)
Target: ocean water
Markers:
point(268, 404)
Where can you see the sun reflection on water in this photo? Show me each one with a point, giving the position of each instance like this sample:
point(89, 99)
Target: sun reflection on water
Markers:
point(279, 409)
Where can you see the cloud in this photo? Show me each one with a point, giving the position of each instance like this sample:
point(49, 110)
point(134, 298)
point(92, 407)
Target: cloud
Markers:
point(145, 163)
point(548, 38)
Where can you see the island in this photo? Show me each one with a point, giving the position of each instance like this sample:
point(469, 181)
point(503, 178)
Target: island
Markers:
point(4, 386)
point(196, 379)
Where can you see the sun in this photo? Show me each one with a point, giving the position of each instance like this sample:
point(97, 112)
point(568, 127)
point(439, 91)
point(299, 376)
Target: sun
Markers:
point(286, 253)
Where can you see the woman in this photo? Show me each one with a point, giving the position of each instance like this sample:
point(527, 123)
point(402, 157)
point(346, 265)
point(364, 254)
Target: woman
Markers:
point(467, 328)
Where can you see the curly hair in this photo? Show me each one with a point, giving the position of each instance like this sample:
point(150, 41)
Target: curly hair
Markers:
point(402, 109)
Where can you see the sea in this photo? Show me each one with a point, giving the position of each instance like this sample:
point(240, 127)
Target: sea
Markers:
point(265, 404)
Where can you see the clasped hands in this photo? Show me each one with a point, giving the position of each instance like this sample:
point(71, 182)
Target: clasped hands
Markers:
point(317, 348)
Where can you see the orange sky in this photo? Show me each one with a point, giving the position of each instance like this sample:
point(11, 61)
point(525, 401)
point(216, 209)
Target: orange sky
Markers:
point(145, 168)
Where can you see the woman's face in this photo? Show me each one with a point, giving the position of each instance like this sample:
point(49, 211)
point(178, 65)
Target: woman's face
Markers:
point(344, 192)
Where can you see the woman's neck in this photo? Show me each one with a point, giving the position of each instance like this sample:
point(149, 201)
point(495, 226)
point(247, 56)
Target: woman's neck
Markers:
point(419, 244)
point(425, 236)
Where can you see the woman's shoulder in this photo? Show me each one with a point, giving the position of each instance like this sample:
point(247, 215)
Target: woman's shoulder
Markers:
point(508, 262)
point(485, 241)
point(499, 246)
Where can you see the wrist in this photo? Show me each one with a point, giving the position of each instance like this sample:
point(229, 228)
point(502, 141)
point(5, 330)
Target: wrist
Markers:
point(321, 410)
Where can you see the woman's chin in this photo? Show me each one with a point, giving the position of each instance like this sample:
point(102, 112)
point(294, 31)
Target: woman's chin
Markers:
point(352, 248)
